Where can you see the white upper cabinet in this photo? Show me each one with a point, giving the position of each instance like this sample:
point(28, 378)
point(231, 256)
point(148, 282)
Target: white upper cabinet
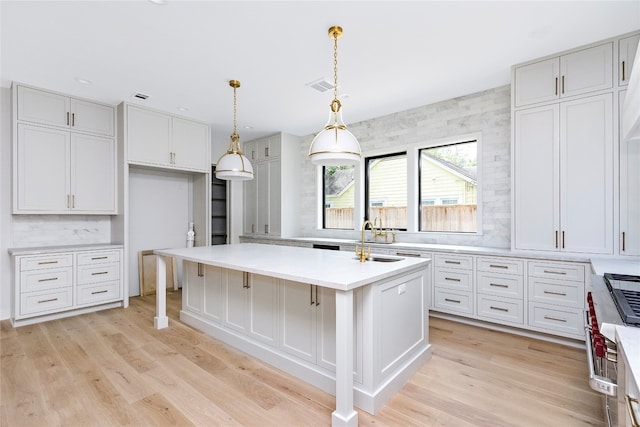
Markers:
point(627, 49)
point(563, 176)
point(52, 109)
point(65, 154)
point(162, 140)
point(575, 73)
point(629, 194)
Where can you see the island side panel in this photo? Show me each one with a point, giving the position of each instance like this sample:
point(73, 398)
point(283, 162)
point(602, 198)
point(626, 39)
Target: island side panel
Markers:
point(344, 415)
point(161, 320)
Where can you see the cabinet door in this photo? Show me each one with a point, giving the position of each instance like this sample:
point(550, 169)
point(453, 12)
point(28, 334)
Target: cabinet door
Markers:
point(43, 107)
point(627, 49)
point(536, 194)
point(236, 300)
point(148, 137)
point(192, 293)
point(262, 187)
point(298, 319)
point(42, 181)
point(263, 308)
point(274, 199)
point(586, 70)
point(91, 117)
point(213, 286)
point(93, 174)
point(537, 82)
point(251, 203)
point(586, 175)
point(629, 194)
point(326, 315)
point(190, 141)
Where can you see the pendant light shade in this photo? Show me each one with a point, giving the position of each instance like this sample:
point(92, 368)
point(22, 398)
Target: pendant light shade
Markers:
point(233, 165)
point(335, 145)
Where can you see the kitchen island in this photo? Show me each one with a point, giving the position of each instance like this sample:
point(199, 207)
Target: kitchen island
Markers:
point(356, 329)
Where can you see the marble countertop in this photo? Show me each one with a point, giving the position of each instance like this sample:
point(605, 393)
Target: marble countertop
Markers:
point(331, 269)
point(42, 250)
point(629, 339)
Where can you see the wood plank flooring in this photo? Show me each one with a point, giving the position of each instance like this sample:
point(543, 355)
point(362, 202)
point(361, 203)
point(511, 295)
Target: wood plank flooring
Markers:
point(112, 368)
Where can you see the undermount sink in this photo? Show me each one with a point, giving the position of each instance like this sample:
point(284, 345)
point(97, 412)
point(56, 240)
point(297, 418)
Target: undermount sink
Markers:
point(378, 258)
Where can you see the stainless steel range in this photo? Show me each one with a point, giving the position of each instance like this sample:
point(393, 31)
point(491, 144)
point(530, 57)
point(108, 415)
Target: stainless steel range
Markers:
point(625, 291)
point(614, 300)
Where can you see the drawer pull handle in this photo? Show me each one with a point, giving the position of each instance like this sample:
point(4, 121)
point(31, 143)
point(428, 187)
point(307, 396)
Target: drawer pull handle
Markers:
point(506, 310)
point(498, 266)
point(498, 285)
point(557, 319)
point(632, 414)
point(47, 300)
point(47, 262)
point(564, 273)
point(562, 294)
point(452, 262)
point(97, 273)
point(99, 292)
point(452, 300)
point(452, 279)
point(98, 257)
point(50, 279)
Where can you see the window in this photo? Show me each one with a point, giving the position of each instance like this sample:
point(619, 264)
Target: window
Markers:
point(386, 190)
point(338, 196)
point(449, 183)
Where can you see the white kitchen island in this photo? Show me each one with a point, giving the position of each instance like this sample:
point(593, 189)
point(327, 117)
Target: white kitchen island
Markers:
point(357, 330)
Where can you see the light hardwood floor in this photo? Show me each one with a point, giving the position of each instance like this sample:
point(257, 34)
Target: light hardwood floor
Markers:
point(112, 368)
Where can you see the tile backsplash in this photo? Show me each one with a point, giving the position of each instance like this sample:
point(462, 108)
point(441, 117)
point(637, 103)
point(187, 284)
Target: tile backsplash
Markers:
point(56, 230)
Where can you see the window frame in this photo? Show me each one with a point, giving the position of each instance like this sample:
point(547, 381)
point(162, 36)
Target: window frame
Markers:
point(366, 163)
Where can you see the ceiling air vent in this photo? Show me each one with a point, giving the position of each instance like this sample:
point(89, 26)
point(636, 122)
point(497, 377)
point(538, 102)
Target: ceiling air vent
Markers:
point(321, 85)
point(140, 95)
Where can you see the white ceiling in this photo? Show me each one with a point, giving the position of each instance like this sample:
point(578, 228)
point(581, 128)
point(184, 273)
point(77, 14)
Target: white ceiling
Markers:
point(394, 55)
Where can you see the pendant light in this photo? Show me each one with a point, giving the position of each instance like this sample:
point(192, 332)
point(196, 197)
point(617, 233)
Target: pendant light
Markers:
point(233, 165)
point(335, 145)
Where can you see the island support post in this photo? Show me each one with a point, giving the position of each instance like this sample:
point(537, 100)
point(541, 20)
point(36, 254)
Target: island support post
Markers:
point(344, 415)
point(161, 320)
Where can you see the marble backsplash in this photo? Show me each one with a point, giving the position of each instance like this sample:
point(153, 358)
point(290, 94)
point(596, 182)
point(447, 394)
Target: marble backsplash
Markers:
point(56, 230)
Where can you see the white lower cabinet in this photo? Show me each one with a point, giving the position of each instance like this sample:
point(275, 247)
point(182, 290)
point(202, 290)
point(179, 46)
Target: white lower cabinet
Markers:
point(251, 305)
point(556, 298)
point(53, 285)
point(500, 286)
point(453, 284)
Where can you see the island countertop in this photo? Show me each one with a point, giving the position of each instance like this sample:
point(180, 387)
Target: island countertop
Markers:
point(331, 269)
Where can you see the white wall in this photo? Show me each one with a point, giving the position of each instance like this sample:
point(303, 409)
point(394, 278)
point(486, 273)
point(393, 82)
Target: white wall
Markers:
point(159, 214)
point(487, 112)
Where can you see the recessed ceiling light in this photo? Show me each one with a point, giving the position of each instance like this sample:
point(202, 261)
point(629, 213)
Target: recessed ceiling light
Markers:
point(158, 2)
point(140, 95)
point(83, 81)
point(183, 108)
point(248, 127)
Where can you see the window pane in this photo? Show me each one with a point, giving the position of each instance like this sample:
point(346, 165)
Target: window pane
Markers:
point(449, 188)
point(339, 196)
point(386, 190)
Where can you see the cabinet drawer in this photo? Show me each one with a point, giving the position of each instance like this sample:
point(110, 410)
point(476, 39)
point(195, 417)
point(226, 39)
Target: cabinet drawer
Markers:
point(557, 319)
point(558, 271)
point(500, 285)
point(89, 258)
point(42, 302)
point(499, 265)
point(451, 279)
point(46, 261)
point(42, 280)
point(102, 292)
point(456, 302)
point(98, 273)
point(501, 309)
point(558, 292)
point(454, 261)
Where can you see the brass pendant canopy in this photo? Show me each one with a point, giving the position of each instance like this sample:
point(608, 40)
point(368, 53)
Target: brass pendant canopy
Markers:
point(335, 145)
point(233, 165)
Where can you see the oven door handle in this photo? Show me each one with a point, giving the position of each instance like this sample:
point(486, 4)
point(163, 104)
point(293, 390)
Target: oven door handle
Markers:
point(596, 382)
